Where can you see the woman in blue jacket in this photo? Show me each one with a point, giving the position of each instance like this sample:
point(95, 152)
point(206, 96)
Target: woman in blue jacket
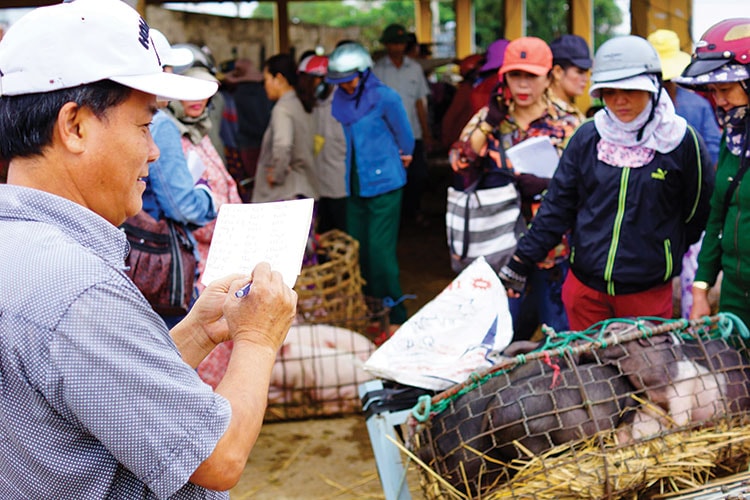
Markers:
point(379, 145)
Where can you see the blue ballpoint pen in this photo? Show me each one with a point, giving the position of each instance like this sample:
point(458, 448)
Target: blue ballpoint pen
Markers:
point(243, 291)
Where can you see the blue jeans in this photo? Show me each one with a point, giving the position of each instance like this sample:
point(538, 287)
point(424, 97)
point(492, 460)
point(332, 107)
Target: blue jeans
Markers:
point(540, 303)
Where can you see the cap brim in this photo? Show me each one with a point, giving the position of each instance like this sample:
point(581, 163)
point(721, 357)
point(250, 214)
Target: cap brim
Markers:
point(582, 63)
point(170, 86)
point(634, 83)
point(529, 68)
point(490, 67)
point(180, 56)
point(724, 74)
point(701, 66)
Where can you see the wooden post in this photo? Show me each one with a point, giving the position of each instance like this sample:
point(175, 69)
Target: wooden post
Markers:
point(464, 28)
point(582, 24)
point(515, 19)
point(423, 18)
point(647, 16)
point(281, 27)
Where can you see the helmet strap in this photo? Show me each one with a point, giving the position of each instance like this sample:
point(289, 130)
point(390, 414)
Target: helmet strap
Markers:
point(363, 76)
point(654, 102)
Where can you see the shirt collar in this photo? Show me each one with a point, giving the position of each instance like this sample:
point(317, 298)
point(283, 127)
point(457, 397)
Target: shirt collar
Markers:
point(89, 229)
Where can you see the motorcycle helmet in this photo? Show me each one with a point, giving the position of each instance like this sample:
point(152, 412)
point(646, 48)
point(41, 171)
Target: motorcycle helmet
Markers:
point(348, 61)
point(721, 55)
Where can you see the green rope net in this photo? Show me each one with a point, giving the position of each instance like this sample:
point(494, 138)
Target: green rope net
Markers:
point(557, 344)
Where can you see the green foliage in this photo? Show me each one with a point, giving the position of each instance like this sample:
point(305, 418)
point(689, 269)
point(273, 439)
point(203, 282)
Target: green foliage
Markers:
point(371, 17)
point(549, 19)
point(546, 19)
point(489, 22)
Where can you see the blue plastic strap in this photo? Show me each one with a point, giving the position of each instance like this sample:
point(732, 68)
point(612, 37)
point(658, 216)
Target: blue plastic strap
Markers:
point(390, 303)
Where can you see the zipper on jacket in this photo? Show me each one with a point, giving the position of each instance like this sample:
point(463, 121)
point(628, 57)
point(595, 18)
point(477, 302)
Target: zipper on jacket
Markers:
point(668, 258)
point(609, 268)
point(700, 174)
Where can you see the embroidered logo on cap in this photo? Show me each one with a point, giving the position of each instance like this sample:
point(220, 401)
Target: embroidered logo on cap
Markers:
point(143, 33)
point(523, 54)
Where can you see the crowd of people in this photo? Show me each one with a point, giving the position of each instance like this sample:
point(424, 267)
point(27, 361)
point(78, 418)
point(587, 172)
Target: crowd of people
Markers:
point(647, 190)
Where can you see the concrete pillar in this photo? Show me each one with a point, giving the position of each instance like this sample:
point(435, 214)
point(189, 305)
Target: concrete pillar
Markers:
point(647, 16)
point(464, 27)
point(582, 24)
point(515, 19)
point(423, 17)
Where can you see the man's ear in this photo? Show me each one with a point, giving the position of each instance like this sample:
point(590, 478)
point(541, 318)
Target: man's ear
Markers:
point(71, 126)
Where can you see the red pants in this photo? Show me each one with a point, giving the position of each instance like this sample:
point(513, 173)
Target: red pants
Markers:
point(586, 306)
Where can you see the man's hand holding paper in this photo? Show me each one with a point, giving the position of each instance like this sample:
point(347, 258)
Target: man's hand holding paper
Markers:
point(249, 233)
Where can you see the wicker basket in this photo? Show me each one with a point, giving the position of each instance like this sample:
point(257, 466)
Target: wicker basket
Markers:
point(331, 291)
point(320, 378)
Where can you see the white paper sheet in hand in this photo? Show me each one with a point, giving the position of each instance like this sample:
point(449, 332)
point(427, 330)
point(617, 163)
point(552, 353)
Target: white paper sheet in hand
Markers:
point(450, 337)
point(535, 155)
point(249, 233)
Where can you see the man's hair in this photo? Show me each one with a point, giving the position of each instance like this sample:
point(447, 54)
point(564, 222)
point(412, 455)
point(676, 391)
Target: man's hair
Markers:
point(27, 121)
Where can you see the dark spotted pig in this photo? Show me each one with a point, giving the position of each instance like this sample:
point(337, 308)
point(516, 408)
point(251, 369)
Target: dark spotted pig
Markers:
point(540, 405)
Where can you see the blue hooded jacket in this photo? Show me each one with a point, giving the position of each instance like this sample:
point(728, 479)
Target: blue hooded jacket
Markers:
point(377, 133)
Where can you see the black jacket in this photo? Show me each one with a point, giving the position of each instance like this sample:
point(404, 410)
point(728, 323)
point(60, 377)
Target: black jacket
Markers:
point(629, 227)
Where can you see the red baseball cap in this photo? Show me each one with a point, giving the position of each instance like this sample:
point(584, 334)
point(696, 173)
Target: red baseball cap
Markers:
point(528, 53)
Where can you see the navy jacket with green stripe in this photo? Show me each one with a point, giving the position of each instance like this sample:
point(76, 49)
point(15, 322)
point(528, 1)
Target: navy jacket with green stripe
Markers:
point(629, 227)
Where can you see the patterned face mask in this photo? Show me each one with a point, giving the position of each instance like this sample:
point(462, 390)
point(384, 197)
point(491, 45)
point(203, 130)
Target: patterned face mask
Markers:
point(734, 122)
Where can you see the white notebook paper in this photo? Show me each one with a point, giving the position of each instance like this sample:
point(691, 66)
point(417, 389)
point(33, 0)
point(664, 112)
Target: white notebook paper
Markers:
point(249, 233)
point(535, 155)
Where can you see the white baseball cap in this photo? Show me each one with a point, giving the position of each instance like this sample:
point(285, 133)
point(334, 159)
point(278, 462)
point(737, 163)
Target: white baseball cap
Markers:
point(170, 56)
point(85, 41)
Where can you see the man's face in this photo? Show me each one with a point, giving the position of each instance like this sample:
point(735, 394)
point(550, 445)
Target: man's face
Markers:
point(395, 49)
point(119, 149)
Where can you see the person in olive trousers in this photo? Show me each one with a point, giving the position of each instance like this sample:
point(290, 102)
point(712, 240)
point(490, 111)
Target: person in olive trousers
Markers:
point(379, 145)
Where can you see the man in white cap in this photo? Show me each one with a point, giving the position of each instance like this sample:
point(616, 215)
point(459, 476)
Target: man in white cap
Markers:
point(171, 192)
point(98, 399)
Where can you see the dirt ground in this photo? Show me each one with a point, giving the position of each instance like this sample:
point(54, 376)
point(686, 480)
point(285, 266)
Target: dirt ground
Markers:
point(332, 458)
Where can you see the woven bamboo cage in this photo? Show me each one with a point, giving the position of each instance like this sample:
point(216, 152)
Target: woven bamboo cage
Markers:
point(331, 291)
point(319, 369)
point(630, 408)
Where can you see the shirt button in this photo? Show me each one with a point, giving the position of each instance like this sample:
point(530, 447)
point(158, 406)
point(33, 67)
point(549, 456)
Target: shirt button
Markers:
point(378, 172)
